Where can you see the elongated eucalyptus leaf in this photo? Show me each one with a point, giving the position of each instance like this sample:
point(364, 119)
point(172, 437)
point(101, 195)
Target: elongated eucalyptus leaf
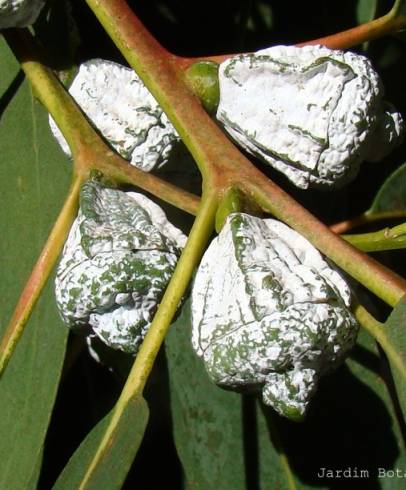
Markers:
point(34, 178)
point(366, 10)
point(391, 196)
point(385, 449)
point(395, 330)
point(117, 454)
point(9, 70)
point(222, 438)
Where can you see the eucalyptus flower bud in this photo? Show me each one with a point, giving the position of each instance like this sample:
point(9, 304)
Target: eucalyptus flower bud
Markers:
point(120, 106)
point(268, 312)
point(19, 13)
point(312, 113)
point(118, 259)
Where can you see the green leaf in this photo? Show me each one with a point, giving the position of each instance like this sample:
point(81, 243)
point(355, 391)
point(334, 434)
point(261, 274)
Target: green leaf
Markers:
point(222, 438)
point(9, 70)
point(378, 430)
point(395, 330)
point(34, 178)
point(118, 455)
point(366, 10)
point(265, 14)
point(391, 196)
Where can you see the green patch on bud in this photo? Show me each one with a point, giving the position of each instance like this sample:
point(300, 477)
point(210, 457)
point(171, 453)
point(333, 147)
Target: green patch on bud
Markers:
point(231, 203)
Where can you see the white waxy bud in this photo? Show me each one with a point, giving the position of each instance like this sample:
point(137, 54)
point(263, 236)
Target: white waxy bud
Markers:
point(118, 259)
point(119, 105)
point(269, 312)
point(387, 135)
point(19, 13)
point(312, 113)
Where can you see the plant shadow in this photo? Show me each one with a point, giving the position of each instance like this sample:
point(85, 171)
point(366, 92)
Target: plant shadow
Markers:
point(11, 91)
point(348, 427)
point(157, 444)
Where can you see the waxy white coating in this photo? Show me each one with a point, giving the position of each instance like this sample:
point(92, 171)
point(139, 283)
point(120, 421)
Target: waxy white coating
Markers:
point(269, 312)
point(19, 13)
point(119, 105)
point(312, 113)
point(119, 256)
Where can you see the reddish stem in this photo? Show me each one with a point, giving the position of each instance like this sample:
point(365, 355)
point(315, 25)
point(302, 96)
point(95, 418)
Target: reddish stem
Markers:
point(341, 40)
point(376, 277)
point(357, 35)
point(364, 219)
point(39, 275)
point(222, 165)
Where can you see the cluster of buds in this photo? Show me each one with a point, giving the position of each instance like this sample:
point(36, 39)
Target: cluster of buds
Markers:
point(312, 113)
point(269, 312)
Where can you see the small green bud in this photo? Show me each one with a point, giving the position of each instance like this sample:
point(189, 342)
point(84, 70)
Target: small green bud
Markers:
point(202, 78)
point(231, 203)
point(234, 201)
